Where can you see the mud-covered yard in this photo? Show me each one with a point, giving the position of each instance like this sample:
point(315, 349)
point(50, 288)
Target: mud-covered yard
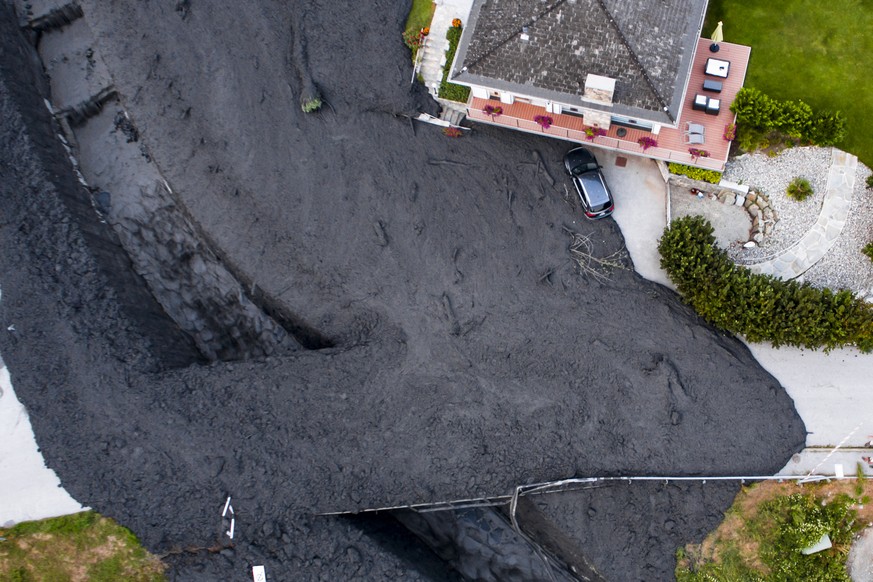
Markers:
point(465, 353)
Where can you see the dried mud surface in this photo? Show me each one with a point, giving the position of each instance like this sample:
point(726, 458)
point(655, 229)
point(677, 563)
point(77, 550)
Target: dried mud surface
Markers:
point(459, 368)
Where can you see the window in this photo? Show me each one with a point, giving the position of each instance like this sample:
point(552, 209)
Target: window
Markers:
point(631, 122)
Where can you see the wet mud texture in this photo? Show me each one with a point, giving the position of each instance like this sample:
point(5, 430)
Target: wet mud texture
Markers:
point(627, 531)
point(469, 357)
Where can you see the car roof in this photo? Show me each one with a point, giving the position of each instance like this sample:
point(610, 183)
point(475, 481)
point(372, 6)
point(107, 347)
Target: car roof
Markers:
point(595, 188)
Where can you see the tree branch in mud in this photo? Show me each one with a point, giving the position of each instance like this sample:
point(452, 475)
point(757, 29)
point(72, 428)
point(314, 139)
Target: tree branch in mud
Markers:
point(600, 268)
point(310, 96)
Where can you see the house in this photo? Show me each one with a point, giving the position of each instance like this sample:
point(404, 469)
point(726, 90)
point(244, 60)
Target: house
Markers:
point(624, 70)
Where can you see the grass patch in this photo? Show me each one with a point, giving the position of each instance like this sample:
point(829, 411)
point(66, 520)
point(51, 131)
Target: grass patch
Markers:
point(420, 15)
point(80, 547)
point(769, 523)
point(809, 50)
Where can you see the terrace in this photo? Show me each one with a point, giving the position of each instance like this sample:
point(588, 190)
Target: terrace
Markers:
point(671, 141)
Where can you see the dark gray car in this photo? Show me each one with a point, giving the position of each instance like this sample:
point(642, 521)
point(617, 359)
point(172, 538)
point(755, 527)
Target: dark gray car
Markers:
point(592, 189)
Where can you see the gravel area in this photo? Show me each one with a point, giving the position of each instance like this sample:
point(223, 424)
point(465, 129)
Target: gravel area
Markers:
point(844, 266)
point(771, 176)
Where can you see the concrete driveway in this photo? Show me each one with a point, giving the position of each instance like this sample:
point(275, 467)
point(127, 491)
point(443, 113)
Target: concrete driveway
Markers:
point(640, 209)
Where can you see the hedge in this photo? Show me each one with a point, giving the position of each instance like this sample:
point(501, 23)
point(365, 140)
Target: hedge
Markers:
point(451, 91)
point(760, 307)
point(710, 176)
point(758, 114)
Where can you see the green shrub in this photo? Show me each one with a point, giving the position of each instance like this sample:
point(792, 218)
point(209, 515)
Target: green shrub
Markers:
point(311, 105)
point(799, 189)
point(710, 176)
point(753, 108)
point(760, 307)
point(868, 250)
point(758, 114)
point(451, 91)
point(827, 128)
point(794, 522)
point(794, 118)
point(870, 182)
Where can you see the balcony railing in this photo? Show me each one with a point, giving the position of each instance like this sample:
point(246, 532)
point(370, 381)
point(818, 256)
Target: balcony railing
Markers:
point(610, 143)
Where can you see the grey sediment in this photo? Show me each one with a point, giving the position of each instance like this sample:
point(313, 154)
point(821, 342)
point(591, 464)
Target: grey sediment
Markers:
point(517, 382)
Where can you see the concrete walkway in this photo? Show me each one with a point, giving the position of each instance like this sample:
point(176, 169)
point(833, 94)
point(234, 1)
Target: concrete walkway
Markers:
point(829, 462)
point(434, 56)
point(797, 259)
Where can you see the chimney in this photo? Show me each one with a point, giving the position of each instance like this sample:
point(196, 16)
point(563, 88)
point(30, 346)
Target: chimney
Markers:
point(599, 89)
point(524, 34)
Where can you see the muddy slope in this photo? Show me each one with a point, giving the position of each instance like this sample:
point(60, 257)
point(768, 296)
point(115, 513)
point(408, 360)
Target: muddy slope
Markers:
point(460, 368)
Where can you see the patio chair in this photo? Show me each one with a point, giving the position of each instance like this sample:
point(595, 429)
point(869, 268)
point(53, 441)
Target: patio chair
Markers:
point(694, 128)
point(693, 138)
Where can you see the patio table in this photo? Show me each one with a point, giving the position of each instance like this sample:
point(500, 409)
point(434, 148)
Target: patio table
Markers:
point(717, 68)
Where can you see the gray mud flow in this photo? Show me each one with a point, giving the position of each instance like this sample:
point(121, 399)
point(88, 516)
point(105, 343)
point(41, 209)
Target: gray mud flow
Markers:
point(470, 355)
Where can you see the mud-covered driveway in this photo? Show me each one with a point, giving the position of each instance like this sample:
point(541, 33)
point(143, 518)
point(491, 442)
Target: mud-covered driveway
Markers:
point(469, 353)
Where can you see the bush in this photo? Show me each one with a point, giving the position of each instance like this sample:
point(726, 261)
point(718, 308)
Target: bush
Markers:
point(827, 128)
point(451, 91)
point(868, 250)
point(760, 307)
point(710, 176)
point(794, 522)
point(758, 115)
point(870, 182)
point(311, 105)
point(799, 189)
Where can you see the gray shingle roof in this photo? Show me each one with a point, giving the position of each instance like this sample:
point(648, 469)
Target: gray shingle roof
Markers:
point(646, 45)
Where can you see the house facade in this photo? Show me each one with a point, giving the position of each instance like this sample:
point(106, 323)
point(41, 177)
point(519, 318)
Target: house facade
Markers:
point(612, 73)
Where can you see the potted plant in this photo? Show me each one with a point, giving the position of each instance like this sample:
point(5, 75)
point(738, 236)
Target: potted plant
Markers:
point(647, 142)
point(730, 132)
point(696, 153)
point(544, 121)
point(493, 110)
point(592, 132)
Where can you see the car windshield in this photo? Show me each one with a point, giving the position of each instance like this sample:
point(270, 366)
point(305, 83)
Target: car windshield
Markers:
point(582, 168)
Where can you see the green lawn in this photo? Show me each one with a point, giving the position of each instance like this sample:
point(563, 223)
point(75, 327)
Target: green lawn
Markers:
point(811, 50)
point(419, 15)
point(83, 546)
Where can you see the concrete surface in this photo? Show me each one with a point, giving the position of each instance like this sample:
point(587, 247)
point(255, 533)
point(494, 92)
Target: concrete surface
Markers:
point(28, 489)
point(731, 223)
point(640, 210)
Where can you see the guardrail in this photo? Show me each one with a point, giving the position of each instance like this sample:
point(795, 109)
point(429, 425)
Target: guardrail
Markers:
point(610, 143)
point(419, 58)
